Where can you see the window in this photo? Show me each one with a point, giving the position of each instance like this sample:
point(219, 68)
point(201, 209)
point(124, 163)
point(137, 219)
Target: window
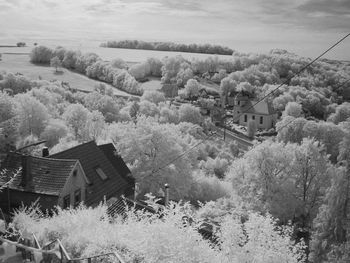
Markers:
point(253, 117)
point(261, 119)
point(66, 201)
point(75, 172)
point(245, 118)
point(77, 197)
point(239, 102)
point(101, 173)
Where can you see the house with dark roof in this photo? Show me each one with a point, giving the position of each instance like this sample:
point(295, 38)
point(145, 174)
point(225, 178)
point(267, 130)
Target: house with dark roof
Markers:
point(108, 174)
point(44, 180)
point(85, 173)
point(262, 113)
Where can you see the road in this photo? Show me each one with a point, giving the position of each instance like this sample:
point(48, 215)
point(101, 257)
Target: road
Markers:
point(243, 144)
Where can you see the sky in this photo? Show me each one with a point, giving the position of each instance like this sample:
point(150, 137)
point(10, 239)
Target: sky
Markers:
point(304, 27)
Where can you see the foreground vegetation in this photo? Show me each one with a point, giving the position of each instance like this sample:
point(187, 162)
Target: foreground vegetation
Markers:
point(165, 236)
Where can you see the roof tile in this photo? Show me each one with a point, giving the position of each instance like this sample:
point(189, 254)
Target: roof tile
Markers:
point(48, 175)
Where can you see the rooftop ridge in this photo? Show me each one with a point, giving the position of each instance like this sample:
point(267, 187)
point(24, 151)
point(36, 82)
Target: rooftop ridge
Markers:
point(77, 146)
point(46, 158)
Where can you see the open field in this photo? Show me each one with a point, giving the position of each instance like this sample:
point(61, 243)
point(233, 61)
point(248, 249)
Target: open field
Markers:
point(128, 55)
point(152, 84)
point(20, 63)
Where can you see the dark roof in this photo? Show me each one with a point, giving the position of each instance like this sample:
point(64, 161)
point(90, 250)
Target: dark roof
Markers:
point(92, 157)
point(118, 163)
point(261, 107)
point(48, 175)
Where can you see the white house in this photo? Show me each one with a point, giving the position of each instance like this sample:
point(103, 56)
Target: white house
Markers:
point(261, 112)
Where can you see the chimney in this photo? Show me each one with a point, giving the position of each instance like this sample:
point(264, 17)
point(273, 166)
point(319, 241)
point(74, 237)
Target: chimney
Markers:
point(136, 191)
point(45, 152)
point(26, 170)
point(166, 201)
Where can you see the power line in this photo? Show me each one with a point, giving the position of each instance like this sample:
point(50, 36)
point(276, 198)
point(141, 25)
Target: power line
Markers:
point(184, 153)
point(289, 78)
point(265, 96)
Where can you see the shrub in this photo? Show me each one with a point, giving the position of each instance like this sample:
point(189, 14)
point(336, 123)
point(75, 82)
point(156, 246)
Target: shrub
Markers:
point(153, 96)
point(41, 55)
point(162, 237)
point(251, 128)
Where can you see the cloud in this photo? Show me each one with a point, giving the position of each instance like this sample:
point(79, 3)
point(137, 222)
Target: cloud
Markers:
point(326, 7)
point(236, 23)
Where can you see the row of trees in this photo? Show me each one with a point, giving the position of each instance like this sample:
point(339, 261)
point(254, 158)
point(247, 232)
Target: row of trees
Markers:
point(169, 46)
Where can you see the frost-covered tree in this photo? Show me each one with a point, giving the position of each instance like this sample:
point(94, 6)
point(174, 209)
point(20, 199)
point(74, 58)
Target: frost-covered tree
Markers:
point(32, 115)
point(56, 63)
point(153, 96)
point(41, 55)
point(148, 146)
point(192, 88)
point(330, 240)
point(342, 113)
point(189, 113)
point(119, 63)
point(54, 131)
point(293, 109)
point(94, 127)
point(251, 128)
point(148, 108)
point(227, 85)
point(76, 116)
point(8, 123)
point(102, 103)
point(287, 180)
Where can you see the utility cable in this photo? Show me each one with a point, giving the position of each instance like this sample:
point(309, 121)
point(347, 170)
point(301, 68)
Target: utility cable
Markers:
point(265, 96)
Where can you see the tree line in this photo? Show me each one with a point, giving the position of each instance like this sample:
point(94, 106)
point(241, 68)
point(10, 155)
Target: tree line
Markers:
point(169, 46)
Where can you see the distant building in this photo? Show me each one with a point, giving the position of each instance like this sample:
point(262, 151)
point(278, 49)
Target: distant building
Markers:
point(86, 173)
point(203, 93)
point(230, 100)
point(262, 112)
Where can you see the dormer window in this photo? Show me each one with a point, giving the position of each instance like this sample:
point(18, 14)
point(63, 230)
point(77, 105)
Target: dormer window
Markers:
point(101, 173)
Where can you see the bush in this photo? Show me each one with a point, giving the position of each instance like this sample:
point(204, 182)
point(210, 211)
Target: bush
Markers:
point(153, 96)
point(21, 44)
point(251, 130)
point(41, 55)
point(189, 113)
point(162, 237)
point(55, 62)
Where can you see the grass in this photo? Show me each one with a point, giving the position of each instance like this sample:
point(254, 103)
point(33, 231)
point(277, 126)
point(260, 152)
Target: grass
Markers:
point(152, 84)
point(20, 63)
